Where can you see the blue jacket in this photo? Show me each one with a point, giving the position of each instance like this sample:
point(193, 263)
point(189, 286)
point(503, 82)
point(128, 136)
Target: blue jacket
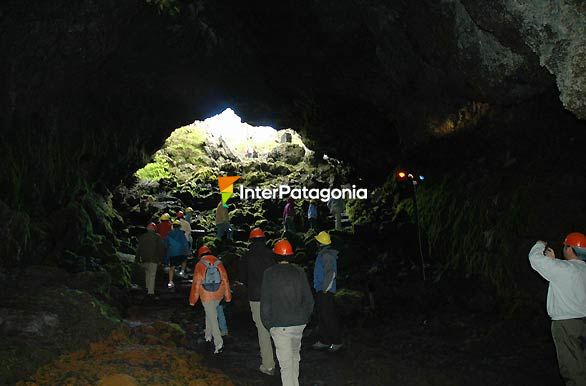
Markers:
point(312, 211)
point(325, 270)
point(177, 244)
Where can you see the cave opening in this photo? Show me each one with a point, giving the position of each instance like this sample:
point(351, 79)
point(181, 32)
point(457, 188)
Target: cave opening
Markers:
point(185, 171)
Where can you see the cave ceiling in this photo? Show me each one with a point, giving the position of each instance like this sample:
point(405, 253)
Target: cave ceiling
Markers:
point(359, 79)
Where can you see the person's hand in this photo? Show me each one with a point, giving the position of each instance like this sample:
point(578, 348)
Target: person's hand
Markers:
point(547, 251)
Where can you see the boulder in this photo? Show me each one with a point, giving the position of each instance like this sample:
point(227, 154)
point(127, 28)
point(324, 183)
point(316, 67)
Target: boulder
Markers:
point(95, 283)
point(39, 325)
point(349, 302)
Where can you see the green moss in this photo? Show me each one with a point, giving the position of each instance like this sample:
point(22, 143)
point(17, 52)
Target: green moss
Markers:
point(155, 170)
point(181, 156)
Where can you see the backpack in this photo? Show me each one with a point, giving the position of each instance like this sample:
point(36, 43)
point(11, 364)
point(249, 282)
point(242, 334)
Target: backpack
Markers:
point(212, 278)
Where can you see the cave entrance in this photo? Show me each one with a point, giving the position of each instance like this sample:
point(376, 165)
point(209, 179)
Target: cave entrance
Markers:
point(183, 173)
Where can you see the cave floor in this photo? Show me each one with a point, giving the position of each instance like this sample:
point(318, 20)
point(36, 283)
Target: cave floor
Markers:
point(453, 347)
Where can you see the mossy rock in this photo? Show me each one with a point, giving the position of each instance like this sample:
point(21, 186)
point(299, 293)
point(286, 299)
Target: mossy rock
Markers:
point(288, 152)
point(39, 326)
point(255, 178)
point(349, 302)
point(95, 283)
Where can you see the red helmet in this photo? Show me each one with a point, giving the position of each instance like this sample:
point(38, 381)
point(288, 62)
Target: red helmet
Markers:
point(179, 214)
point(152, 226)
point(283, 248)
point(575, 239)
point(256, 233)
point(203, 250)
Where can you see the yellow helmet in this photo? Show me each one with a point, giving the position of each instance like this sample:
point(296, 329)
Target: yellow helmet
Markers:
point(165, 217)
point(189, 209)
point(176, 222)
point(324, 238)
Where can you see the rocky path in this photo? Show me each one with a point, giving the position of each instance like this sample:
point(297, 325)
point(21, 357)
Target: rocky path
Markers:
point(452, 348)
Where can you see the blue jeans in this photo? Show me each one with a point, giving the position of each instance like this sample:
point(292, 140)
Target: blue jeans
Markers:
point(223, 229)
point(222, 319)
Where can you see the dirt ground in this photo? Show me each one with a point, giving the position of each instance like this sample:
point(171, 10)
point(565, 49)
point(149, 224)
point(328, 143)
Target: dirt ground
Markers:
point(451, 347)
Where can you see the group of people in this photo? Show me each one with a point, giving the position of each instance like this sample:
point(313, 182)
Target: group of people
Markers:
point(280, 297)
point(169, 241)
point(336, 207)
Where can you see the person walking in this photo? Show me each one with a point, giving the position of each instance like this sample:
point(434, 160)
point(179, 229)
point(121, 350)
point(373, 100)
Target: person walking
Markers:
point(286, 304)
point(222, 324)
point(566, 303)
point(223, 221)
point(177, 251)
point(185, 227)
point(324, 282)
point(211, 285)
point(252, 267)
point(337, 207)
point(188, 213)
point(163, 229)
point(312, 215)
point(289, 215)
point(164, 226)
point(149, 252)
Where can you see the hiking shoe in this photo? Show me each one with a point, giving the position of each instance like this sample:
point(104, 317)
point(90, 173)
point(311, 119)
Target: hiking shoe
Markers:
point(266, 371)
point(334, 347)
point(170, 285)
point(320, 346)
point(219, 350)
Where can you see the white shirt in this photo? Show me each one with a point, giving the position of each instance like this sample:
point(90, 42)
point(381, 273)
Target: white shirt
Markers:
point(186, 228)
point(566, 295)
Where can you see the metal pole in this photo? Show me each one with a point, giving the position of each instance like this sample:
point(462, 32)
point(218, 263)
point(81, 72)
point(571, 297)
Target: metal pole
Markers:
point(418, 228)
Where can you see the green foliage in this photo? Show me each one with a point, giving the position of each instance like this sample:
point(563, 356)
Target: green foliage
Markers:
point(155, 170)
point(205, 175)
point(120, 272)
point(169, 7)
point(474, 226)
point(181, 158)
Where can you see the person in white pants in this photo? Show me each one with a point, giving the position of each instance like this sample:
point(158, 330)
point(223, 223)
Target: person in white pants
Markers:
point(286, 304)
point(253, 264)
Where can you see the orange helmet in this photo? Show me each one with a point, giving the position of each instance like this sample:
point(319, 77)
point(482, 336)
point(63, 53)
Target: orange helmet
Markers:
point(203, 250)
point(152, 226)
point(256, 233)
point(179, 214)
point(283, 248)
point(575, 239)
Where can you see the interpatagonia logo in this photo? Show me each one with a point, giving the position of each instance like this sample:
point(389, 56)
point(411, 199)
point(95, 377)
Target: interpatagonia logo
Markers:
point(226, 185)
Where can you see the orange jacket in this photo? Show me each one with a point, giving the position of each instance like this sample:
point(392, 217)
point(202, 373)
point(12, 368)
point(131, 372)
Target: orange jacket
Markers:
point(197, 290)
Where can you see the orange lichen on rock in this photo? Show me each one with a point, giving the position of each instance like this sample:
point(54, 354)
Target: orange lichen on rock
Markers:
point(131, 357)
point(118, 380)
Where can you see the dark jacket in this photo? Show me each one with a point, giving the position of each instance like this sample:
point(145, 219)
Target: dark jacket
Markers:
point(286, 298)
point(252, 266)
point(151, 248)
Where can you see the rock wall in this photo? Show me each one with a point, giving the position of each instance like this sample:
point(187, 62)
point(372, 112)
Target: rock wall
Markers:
point(554, 31)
